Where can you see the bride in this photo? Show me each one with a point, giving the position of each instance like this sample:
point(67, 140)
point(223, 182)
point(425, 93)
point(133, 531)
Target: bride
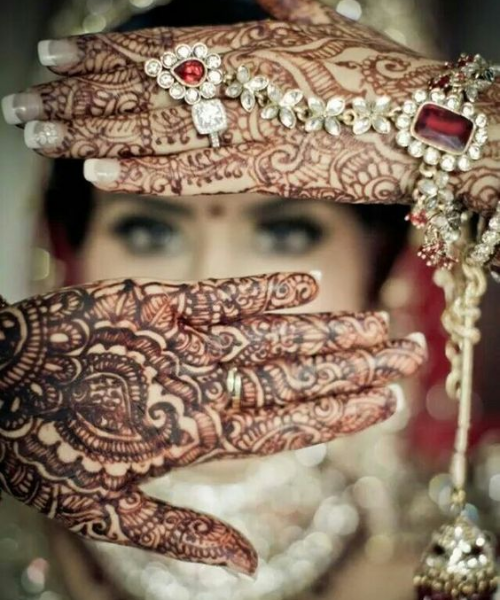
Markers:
point(107, 107)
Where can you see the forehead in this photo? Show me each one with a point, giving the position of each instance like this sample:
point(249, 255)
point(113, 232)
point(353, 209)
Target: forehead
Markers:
point(216, 205)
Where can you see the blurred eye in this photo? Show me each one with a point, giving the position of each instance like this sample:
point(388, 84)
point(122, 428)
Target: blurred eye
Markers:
point(289, 235)
point(145, 235)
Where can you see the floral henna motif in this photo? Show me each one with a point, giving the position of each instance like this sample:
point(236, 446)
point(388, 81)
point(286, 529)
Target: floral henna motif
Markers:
point(106, 385)
point(110, 95)
point(285, 169)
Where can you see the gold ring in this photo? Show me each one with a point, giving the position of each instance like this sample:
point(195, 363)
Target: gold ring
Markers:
point(234, 385)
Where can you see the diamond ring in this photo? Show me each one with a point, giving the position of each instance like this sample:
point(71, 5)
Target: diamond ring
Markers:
point(193, 74)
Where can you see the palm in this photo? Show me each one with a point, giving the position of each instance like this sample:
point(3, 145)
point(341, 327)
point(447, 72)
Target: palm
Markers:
point(109, 384)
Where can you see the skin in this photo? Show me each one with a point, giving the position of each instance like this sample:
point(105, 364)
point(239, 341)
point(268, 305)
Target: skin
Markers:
point(109, 384)
point(105, 106)
point(224, 236)
point(350, 353)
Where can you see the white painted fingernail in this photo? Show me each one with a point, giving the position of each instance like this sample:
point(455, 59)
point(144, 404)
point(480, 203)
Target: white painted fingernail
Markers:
point(317, 274)
point(20, 108)
point(104, 170)
point(418, 338)
point(41, 134)
point(57, 53)
point(399, 396)
point(385, 316)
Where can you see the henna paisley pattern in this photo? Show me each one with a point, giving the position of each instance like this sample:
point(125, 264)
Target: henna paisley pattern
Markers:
point(104, 106)
point(108, 384)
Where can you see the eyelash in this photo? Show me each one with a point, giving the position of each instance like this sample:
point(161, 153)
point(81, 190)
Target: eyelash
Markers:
point(158, 236)
point(298, 234)
point(143, 235)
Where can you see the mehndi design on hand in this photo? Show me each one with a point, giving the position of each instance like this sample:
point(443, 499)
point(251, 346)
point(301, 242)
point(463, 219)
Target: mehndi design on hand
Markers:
point(106, 91)
point(106, 385)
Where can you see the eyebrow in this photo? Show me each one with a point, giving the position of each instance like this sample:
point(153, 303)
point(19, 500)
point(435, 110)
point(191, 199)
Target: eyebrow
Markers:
point(156, 205)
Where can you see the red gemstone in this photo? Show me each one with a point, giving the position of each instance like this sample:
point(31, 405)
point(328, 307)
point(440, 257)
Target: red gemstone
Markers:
point(418, 219)
point(465, 60)
point(442, 82)
point(190, 72)
point(443, 128)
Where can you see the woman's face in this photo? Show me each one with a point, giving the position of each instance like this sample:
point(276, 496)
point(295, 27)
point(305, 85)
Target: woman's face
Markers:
point(196, 238)
point(225, 236)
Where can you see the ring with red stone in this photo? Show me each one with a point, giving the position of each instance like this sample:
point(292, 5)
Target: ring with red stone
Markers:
point(193, 74)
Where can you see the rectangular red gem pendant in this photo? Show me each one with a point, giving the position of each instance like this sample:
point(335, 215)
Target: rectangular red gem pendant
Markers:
point(443, 128)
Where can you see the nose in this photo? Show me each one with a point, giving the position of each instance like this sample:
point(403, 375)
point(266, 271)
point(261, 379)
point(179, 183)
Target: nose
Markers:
point(214, 257)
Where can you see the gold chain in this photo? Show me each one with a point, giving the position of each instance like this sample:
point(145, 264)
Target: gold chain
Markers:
point(463, 287)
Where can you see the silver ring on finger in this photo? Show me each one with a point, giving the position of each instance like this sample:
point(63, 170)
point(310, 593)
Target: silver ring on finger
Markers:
point(234, 384)
point(193, 74)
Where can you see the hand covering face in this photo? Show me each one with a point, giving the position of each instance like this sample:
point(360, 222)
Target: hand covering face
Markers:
point(107, 385)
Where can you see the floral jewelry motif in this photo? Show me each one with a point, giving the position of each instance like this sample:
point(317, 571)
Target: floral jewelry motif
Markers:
point(472, 74)
point(439, 125)
point(246, 87)
point(193, 74)
point(282, 105)
point(372, 115)
point(325, 115)
point(292, 108)
point(189, 73)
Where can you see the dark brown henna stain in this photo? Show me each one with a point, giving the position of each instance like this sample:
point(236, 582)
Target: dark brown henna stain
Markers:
point(337, 58)
point(108, 384)
point(345, 372)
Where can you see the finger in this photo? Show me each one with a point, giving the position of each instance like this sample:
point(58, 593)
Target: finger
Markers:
point(127, 90)
point(347, 372)
point(227, 300)
point(152, 133)
point(207, 171)
point(299, 11)
point(102, 53)
point(265, 338)
point(143, 522)
point(273, 429)
point(283, 167)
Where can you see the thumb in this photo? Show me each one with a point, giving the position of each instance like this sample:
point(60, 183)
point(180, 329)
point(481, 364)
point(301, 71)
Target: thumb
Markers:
point(312, 12)
point(138, 520)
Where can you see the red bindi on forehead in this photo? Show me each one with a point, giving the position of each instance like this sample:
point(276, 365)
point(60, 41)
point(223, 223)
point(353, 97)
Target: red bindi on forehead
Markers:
point(216, 210)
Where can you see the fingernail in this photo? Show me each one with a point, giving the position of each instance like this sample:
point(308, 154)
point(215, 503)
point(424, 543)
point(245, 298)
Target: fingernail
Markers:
point(57, 53)
point(106, 170)
point(418, 338)
point(385, 316)
point(399, 396)
point(20, 108)
point(40, 134)
point(317, 274)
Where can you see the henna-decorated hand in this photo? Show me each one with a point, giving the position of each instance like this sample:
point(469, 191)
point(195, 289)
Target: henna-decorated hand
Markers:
point(108, 384)
point(105, 106)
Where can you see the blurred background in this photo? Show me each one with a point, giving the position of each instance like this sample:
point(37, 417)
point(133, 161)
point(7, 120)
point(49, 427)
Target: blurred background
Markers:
point(346, 520)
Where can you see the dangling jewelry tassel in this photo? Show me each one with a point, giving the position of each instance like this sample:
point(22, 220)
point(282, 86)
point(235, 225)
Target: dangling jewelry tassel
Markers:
point(459, 563)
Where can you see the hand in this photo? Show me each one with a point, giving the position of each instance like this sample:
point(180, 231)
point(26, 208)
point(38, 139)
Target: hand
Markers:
point(106, 385)
point(105, 106)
